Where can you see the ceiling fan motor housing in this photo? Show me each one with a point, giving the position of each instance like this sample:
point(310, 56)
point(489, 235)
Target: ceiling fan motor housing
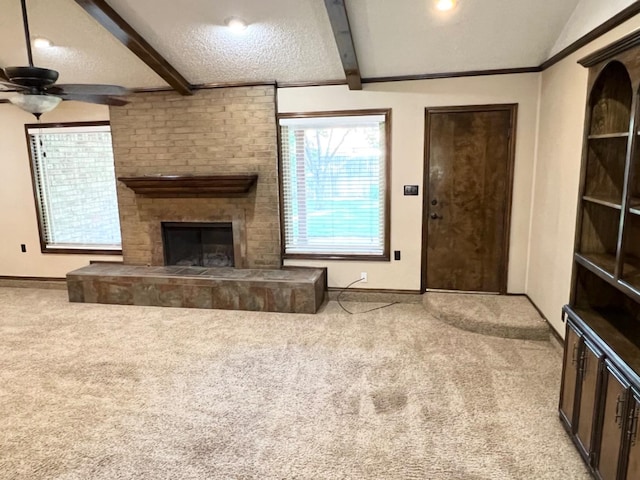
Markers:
point(31, 76)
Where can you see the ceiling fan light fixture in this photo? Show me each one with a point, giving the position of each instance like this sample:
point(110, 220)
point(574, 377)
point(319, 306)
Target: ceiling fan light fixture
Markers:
point(445, 5)
point(35, 103)
point(41, 42)
point(236, 24)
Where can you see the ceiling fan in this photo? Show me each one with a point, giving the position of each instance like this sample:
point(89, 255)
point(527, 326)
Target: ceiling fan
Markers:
point(37, 92)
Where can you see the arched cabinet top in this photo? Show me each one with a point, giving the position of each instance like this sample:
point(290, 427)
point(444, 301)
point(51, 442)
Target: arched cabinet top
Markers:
point(610, 100)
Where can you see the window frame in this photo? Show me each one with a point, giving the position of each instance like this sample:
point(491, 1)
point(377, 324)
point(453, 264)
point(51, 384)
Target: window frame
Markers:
point(385, 255)
point(44, 247)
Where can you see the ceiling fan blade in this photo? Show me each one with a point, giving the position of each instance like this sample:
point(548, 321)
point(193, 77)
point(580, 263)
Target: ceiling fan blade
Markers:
point(98, 99)
point(88, 89)
point(12, 87)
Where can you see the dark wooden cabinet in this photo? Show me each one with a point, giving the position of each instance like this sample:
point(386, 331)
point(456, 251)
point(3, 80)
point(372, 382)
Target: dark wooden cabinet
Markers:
point(614, 407)
point(580, 388)
point(600, 393)
point(632, 468)
point(590, 365)
point(599, 399)
point(570, 375)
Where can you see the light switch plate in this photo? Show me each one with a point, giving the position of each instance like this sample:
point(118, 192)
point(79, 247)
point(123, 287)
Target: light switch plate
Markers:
point(411, 189)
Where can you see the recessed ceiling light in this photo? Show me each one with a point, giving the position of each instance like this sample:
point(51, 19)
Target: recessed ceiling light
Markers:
point(444, 5)
point(41, 42)
point(236, 24)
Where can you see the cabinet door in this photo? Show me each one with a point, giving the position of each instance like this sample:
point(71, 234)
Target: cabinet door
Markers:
point(633, 459)
point(569, 375)
point(588, 377)
point(614, 398)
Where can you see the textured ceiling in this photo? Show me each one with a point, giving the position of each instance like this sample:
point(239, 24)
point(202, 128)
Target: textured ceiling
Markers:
point(84, 52)
point(287, 40)
point(292, 41)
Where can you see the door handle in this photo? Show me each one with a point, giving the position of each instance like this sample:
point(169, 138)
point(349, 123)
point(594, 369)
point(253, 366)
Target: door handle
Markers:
point(435, 216)
point(619, 408)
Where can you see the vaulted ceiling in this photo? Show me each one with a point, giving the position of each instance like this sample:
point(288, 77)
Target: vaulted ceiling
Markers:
point(289, 40)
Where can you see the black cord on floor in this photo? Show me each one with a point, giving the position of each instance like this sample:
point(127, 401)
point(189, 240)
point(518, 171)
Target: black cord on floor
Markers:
point(357, 313)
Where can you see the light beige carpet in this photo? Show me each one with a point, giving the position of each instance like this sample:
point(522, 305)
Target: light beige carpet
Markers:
point(114, 392)
point(510, 316)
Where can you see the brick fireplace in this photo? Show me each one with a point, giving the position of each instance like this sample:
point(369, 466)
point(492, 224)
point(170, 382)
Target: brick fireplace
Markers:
point(225, 131)
point(201, 160)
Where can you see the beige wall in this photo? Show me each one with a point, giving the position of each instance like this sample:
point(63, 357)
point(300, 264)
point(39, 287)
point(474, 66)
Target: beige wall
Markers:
point(18, 219)
point(562, 109)
point(408, 101)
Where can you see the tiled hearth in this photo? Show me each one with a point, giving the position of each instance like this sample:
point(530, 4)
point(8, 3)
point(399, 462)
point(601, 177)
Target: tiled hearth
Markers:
point(285, 290)
point(201, 159)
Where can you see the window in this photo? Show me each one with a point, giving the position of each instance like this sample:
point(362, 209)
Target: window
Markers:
point(75, 187)
point(334, 174)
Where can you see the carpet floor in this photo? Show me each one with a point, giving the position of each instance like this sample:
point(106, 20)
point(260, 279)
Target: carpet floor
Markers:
point(114, 392)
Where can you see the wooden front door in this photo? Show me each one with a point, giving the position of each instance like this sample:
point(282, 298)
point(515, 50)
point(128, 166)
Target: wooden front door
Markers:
point(469, 155)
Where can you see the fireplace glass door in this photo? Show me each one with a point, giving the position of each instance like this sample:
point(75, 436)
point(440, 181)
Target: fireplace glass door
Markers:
point(198, 244)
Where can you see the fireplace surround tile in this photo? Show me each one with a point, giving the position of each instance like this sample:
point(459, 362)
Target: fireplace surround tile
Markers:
point(233, 131)
point(299, 290)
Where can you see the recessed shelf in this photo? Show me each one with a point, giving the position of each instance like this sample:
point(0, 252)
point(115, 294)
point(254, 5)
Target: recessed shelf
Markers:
point(604, 136)
point(617, 330)
point(611, 202)
point(603, 264)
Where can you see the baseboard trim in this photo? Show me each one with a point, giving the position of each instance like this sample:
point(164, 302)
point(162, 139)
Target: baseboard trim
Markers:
point(32, 279)
point(375, 295)
point(55, 283)
point(554, 332)
point(536, 307)
point(376, 290)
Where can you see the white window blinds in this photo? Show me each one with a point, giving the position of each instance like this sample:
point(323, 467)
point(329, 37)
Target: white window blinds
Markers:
point(334, 185)
point(75, 187)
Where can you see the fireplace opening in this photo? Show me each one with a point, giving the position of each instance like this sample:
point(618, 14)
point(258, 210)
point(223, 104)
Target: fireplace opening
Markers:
point(198, 244)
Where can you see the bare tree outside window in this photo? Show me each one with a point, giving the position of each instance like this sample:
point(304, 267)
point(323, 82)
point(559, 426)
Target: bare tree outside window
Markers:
point(334, 185)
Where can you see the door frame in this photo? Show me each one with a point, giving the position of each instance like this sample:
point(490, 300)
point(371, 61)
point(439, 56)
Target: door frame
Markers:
point(512, 108)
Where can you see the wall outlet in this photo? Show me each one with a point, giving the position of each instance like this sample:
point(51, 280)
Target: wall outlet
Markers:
point(23, 248)
point(363, 277)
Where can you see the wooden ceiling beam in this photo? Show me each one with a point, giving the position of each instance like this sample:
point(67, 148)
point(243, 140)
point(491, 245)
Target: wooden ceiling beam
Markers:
point(337, 11)
point(119, 28)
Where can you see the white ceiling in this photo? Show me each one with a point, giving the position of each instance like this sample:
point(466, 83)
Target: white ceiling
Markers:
point(405, 37)
point(291, 40)
point(587, 15)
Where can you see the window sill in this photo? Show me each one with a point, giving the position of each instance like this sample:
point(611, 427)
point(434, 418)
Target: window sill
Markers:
point(66, 250)
point(328, 256)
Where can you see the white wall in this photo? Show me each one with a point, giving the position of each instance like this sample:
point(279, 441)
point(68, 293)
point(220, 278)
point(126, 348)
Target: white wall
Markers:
point(18, 218)
point(563, 100)
point(408, 101)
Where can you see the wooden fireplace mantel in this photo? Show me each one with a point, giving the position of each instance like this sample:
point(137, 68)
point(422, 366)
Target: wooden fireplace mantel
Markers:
point(191, 185)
